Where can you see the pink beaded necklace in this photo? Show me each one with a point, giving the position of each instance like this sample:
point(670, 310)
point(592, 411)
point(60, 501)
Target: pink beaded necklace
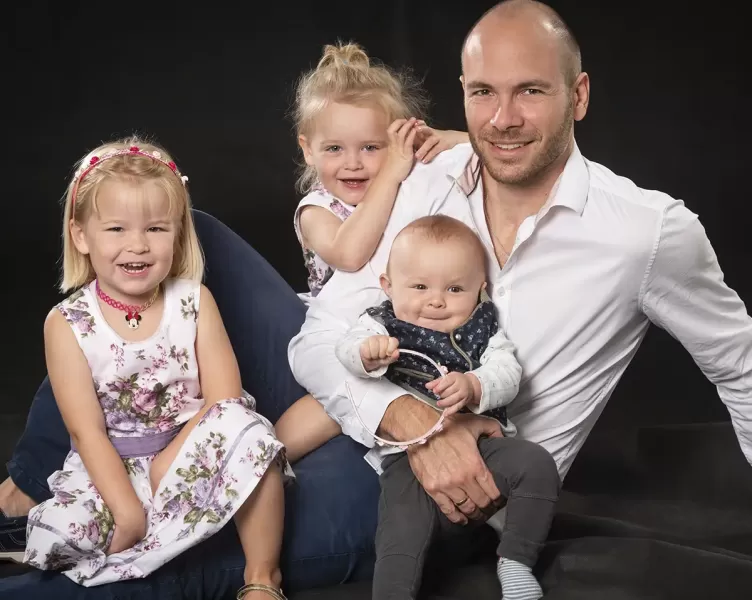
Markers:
point(132, 313)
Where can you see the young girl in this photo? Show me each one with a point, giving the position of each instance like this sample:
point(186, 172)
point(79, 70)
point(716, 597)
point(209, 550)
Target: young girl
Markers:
point(165, 444)
point(358, 125)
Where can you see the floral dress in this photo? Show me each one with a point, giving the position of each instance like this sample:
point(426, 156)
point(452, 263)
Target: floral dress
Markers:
point(319, 271)
point(147, 390)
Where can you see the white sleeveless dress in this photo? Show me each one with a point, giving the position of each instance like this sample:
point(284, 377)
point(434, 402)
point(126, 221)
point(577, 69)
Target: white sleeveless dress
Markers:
point(319, 271)
point(147, 391)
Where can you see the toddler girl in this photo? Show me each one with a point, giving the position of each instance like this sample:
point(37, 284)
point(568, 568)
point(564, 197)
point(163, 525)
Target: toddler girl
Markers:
point(358, 124)
point(165, 445)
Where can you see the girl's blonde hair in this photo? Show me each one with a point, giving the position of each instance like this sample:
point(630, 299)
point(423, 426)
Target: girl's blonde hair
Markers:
point(346, 74)
point(81, 201)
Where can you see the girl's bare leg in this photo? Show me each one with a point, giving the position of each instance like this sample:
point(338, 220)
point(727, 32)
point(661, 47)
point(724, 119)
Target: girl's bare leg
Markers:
point(304, 427)
point(260, 523)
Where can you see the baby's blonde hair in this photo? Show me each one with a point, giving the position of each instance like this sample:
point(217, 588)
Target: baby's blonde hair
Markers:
point(441, 229)
point(81, 201)
point(347, 75)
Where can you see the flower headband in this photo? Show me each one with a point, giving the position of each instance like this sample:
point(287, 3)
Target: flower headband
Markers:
point(95, 161)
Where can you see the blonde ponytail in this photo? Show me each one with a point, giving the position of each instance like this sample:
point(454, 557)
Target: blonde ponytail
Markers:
point(345, 73)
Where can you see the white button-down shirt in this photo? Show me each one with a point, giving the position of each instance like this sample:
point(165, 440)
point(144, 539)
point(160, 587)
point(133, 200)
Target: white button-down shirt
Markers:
point(601, 260)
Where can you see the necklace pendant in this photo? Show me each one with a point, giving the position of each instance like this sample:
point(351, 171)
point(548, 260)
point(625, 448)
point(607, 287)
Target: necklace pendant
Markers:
point(133, 318)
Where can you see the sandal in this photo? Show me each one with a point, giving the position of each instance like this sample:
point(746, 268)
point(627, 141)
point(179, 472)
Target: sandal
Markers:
point(260, 587)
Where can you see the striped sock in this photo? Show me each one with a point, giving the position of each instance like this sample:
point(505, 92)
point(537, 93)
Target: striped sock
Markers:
point(517, 581)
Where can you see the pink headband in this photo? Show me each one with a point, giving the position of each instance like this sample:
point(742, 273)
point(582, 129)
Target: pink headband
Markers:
point(95, 161)
point(437, 427)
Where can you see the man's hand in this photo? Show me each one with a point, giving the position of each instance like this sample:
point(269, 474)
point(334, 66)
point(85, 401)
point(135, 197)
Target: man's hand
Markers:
point(378, 351)
point(451, 470)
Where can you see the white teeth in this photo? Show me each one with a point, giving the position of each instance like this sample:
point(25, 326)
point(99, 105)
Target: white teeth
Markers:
point(509, 146)
point(134, 266)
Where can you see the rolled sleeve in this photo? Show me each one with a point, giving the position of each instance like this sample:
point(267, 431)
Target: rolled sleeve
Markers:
point(315, 365)
point(685, 294)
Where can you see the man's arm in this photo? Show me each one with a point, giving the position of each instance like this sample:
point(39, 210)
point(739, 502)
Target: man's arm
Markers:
point(685, 294)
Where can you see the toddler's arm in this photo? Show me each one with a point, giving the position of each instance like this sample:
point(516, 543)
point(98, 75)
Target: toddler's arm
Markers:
point(348, 245)
point(76, 397)
point(218, 372)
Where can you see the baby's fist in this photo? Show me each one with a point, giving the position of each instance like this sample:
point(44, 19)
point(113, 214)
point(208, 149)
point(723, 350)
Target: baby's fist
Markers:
point(378, 351)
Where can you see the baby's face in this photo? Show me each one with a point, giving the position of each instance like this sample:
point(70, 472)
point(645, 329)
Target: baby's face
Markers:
point(434, 285)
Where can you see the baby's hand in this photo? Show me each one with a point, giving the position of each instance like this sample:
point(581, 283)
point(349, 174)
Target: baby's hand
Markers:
point(378, 351)
point(431, 142)
point(401, 155)
point(456, 390)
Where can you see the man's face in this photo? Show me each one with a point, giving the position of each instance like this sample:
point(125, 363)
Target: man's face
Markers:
point(519, 108)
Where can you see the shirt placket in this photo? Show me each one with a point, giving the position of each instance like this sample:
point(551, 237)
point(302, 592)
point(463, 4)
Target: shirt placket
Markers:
point(503, 288)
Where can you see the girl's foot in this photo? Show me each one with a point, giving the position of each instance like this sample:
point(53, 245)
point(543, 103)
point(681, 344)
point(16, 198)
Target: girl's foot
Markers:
point(13, 502)
point(267, 584)
point(256, 592)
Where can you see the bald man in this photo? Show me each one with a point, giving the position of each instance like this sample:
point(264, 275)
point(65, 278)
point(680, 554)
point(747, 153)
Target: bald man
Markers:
point(581, 262)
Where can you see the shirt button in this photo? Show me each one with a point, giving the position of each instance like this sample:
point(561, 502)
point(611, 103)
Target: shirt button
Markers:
point(457, 337)
point(502, 291)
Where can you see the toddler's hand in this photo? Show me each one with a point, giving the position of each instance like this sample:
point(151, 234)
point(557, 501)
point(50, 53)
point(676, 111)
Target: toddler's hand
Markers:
point(432, 142)
point(129, 530)
point(455, 390)
point(401, 156)
point(378, 351)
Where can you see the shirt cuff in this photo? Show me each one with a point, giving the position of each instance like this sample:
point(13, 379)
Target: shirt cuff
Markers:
point(484, 403)
point(348, 352)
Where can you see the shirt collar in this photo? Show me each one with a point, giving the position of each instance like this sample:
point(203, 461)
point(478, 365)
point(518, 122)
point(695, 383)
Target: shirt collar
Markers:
point(570, 190)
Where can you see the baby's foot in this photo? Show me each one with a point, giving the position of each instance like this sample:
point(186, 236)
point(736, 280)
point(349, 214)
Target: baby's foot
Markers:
point(517, 581)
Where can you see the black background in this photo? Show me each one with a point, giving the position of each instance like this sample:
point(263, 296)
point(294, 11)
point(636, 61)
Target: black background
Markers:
point(214, 83)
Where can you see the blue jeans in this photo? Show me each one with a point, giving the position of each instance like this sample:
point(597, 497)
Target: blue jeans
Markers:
point(331, 509)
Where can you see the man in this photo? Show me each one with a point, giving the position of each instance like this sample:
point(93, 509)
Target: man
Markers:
point(582, 260)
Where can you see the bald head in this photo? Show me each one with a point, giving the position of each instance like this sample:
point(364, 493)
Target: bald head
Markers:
point(437, 229)
point(532, 17)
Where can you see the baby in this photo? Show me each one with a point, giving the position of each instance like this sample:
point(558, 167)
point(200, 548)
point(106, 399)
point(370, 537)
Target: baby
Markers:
point(438, 306)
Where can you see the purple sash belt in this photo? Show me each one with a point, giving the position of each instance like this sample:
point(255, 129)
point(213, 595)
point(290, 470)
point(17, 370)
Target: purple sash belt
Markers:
point(145, 445)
